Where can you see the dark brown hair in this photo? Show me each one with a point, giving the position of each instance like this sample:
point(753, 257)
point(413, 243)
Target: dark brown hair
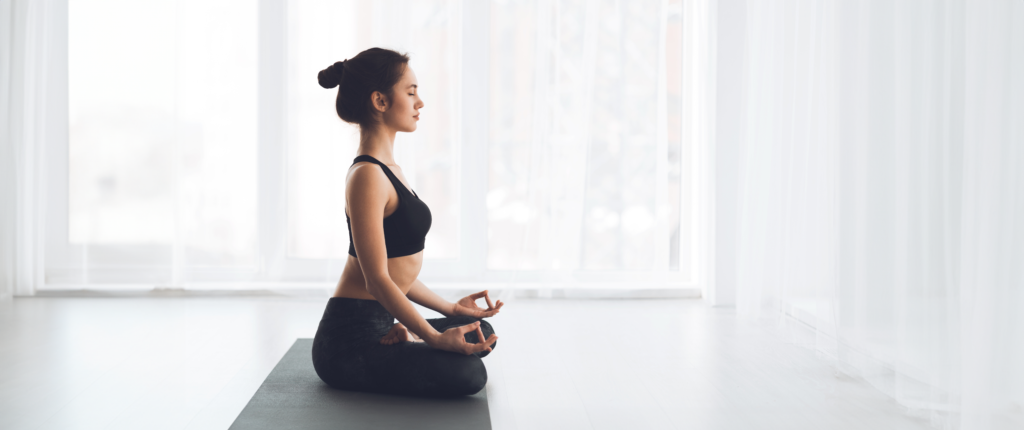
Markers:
point(375, 69)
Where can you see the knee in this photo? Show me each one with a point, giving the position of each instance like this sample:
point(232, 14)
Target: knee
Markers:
point(472, 377)
point(486, 328)
point(461, 320)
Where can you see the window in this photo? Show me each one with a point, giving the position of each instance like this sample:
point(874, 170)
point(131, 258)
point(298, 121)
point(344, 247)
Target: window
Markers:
point(586, 153)
point(202, 151)
point(162, 147)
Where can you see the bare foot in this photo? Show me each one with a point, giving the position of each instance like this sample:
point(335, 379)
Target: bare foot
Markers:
point(399, 333)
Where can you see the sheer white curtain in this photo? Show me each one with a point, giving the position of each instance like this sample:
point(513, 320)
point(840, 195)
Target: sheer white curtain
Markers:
point(159, 182)
point(24, 109)
point(590, 175)
point(881, 199)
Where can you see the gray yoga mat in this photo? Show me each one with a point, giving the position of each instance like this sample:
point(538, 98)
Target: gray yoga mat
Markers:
point(294, 397)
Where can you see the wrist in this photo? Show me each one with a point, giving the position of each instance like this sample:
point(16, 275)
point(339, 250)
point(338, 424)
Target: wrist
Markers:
point(431, 337)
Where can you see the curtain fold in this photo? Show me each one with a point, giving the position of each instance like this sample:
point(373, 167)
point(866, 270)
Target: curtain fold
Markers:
point(23, 103)
point(880, 199)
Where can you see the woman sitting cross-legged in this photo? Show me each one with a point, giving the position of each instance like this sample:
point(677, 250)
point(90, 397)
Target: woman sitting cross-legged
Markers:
point(358, 346)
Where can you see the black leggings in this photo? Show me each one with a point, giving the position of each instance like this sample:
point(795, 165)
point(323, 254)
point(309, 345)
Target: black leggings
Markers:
point(348, 355)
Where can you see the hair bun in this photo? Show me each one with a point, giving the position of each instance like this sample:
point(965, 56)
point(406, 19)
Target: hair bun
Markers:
point(331, 76)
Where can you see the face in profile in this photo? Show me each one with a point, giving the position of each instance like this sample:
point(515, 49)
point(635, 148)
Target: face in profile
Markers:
point(405, 107)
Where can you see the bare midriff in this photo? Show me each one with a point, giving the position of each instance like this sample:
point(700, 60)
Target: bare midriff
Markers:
point(403, 271)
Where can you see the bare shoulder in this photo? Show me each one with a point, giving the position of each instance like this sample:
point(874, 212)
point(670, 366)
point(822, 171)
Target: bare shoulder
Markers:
point(366, 190)
point(366, 177)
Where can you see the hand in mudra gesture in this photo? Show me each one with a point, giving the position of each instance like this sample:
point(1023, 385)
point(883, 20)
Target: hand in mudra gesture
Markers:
point(399, 334)
point(454, 340)
point(467, 306)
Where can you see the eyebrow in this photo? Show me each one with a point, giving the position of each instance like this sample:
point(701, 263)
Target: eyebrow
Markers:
point(414, 86)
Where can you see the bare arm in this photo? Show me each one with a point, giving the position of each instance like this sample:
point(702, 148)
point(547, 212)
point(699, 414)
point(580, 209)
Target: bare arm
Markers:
point(419, 293)
point(366, 196)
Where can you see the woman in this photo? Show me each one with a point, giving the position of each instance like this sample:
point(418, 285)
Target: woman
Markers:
point(357, 345)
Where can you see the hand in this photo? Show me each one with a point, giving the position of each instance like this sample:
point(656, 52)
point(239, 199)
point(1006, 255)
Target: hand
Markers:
point(467, 306)
point(454, 340)
point(398, 334)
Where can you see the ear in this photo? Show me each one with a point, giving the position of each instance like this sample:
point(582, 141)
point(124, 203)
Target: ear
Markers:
point(380, 101)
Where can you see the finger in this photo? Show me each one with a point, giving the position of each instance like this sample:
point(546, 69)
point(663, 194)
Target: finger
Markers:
point(488, 342)
point(480, 347)
point(480, 336)
point(488, 298)
point(463, 329)
point(478, 295)
point(476, 347)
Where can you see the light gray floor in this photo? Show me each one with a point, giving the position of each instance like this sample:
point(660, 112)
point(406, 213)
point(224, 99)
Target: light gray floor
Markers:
point(194, 363)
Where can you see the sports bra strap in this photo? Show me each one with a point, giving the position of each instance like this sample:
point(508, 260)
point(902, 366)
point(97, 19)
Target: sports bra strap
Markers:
point(405, 230)
point(391, 175)
point(365, 157)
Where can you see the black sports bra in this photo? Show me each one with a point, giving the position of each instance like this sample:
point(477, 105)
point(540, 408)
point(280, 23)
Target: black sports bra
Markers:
point(404, 230)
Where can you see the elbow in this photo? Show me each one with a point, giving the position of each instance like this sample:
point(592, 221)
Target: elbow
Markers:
point(375, 285)
point(372, 288)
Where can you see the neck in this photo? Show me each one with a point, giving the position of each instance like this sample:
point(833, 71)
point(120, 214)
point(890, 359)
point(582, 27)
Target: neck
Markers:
point(377, 142)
